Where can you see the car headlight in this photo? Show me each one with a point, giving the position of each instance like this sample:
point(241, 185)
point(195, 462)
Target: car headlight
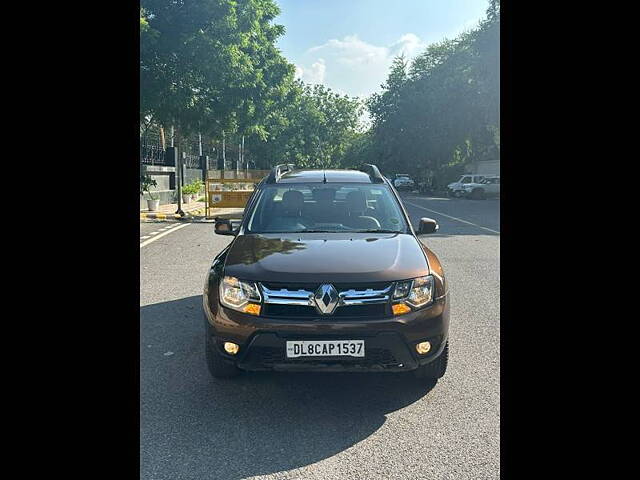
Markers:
point(417, 293)
point(239, 295)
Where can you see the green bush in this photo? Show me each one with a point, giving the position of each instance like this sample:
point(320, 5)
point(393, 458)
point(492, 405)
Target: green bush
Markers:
point(193, 188)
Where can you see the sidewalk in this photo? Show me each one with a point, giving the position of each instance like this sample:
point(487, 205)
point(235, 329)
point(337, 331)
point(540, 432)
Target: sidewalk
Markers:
point(194, 212)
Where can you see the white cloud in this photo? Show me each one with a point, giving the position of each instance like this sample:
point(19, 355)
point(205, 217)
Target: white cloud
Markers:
point(354, 66)
point(409, 44)
point(352, 51)
point(315, 74)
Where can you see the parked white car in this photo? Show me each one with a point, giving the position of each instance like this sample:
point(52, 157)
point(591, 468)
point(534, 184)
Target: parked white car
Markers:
point(456, 189)
point(490, 186)
point(403, 182)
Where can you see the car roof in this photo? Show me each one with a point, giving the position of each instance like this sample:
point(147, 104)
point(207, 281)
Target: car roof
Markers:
point(485, 175)
point(318, 176)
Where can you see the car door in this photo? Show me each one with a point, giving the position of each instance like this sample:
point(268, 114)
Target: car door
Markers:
point(478, 178)
point(467, 179)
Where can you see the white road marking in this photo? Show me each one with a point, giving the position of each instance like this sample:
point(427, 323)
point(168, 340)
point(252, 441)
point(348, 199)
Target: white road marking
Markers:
point(449, 216)
point(163, 234)
point(168, 227)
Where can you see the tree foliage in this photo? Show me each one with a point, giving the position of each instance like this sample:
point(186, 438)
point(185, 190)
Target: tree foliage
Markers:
point(313, 128)
point(211, 66)
point(443, 109)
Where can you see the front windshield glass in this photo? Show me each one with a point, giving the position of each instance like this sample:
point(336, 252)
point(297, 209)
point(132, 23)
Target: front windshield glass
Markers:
point(335, 207)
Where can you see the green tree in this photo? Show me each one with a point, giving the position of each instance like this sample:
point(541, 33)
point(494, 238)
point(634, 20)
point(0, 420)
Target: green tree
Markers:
point(312, 127)
point(210, 65)
point(445, 111)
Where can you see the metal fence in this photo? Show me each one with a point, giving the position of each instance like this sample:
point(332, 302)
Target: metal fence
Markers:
point(191, 160)
point(152, 152)
point(154, 141)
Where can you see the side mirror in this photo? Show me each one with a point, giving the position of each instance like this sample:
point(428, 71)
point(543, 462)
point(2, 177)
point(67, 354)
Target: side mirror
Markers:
point(223, 227)
point(427, 225)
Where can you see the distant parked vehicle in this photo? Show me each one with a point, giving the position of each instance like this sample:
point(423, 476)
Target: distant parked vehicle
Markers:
point(456, 189)
point(404, 182)
point(490, 186)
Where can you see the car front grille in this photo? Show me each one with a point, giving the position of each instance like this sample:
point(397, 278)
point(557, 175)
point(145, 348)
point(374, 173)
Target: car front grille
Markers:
point(353, 300)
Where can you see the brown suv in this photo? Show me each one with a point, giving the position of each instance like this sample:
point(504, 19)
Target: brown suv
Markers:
point(325, 273)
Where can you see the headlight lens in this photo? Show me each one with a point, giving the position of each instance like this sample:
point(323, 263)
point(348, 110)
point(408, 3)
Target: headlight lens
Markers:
point(421, 293)
point(417, 292)
point(237, 294)
point(402, 289)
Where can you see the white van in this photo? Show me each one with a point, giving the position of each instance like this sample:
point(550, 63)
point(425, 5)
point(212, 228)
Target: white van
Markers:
point(456, 189)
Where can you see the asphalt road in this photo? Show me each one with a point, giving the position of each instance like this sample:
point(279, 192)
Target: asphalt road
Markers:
point(320, 426)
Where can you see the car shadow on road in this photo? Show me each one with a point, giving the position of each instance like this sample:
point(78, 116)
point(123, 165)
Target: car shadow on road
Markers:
point(194, 426)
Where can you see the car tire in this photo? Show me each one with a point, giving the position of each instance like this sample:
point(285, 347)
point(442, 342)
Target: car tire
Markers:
point(436, 368)
point(219, 367)
point(478, 194)
point(457, 194)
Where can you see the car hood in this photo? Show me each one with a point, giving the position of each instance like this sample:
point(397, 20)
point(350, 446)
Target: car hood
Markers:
point(321, 257)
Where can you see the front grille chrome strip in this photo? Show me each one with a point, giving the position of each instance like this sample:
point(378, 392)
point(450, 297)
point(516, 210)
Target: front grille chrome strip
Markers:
point(349, 297)
point(364, 297)
point(287, 297)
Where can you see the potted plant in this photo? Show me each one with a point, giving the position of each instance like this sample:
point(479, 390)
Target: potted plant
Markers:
point(146, 182)
point(197, 187)
point(187, 190)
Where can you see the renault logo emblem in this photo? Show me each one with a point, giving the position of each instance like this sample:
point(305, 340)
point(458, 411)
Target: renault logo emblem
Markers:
point(326, 298)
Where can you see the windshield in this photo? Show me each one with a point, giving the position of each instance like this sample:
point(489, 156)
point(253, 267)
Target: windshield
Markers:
point(335, 207)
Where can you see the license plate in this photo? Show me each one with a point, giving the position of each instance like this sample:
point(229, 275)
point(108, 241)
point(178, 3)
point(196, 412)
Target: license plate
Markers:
point(325, 348)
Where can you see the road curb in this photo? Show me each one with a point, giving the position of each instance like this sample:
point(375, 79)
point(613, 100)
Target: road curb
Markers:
point(194, 216)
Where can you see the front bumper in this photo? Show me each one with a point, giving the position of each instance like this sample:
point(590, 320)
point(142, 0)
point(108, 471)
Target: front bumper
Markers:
point(389, 342)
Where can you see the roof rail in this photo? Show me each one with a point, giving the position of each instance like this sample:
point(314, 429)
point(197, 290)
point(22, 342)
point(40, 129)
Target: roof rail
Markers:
point(373, 172)
point(278, 171)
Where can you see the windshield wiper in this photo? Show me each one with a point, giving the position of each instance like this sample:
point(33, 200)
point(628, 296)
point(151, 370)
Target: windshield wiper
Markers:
point(315, 231)
point(375, 231)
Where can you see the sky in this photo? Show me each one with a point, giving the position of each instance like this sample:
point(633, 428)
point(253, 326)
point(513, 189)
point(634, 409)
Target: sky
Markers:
point(348, 45)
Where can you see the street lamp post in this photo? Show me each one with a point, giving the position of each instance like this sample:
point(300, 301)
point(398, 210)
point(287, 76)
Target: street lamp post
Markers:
point(179, 173)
